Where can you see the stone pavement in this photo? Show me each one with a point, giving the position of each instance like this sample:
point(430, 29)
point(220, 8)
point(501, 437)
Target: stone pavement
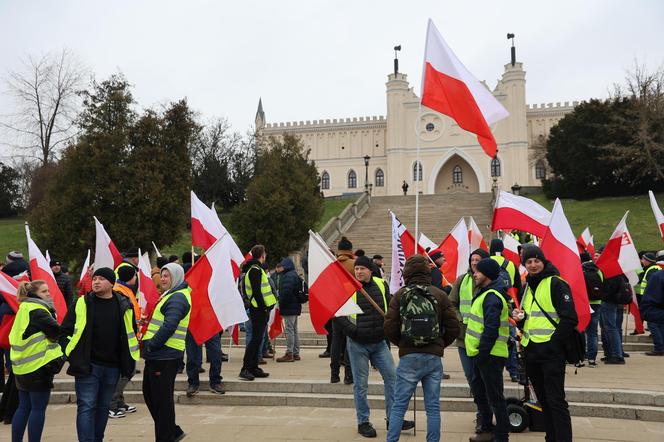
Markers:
point(221, 423)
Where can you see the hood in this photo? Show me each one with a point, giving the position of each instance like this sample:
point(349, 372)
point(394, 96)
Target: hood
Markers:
point(345, 255)
point(417, 270)
point(287, 264)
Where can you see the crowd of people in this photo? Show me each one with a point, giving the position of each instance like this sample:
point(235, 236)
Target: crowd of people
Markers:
point(492, 311)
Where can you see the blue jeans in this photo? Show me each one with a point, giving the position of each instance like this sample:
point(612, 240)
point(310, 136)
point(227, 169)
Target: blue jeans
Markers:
point(591, 333)
point(657, 332)
point(93, 397)
point(31, 412)
point(413, 368)
point(380, 356)
point(611, 332)
point(195, 359)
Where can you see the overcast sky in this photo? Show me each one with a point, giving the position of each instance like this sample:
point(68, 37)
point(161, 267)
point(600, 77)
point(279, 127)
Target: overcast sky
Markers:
point(329, 59)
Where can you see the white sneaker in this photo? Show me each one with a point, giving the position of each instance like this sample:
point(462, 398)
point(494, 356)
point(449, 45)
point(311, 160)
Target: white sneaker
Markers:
point(116, 414)
point(127, 409)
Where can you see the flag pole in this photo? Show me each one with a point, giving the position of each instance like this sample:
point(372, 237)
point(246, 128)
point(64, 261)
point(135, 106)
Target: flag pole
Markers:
point(417, 175)
point(230, 343)
point(371, 301)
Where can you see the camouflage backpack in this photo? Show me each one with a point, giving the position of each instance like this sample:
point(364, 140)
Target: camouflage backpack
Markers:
point(418, 309)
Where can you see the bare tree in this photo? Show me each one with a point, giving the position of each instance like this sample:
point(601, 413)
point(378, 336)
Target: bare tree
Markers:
point(45, 95)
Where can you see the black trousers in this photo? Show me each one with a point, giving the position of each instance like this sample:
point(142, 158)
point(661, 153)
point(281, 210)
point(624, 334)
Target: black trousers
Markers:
point(329, 329)
point(338, 351)
point(487, 388)
point(548, 379)
point(158, 387)
point(258, 320)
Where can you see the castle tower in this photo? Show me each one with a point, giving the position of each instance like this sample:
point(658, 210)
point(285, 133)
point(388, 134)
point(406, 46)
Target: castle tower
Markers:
point(260, 116)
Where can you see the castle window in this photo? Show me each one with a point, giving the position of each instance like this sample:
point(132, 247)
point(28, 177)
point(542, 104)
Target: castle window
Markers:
point(457, 175)
point(380, 178)
point(540, 170)
point(495, 167)
point(417, 171)
point(325, 180)
point(352, 179)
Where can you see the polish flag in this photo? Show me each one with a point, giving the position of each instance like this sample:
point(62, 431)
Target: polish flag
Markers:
point(475, 237)
point(657, 212)
point(275, 325)
point(86, 266)
point(403, 247)
point(520, 213)
point(8, 289)
point(41, 269)
point(619, 255)
point(449, 88)
point(106, 254)
point(216, 303)
point(330, 285)
point(148, 295)
point(585, 241)
point(559, 246)
point(427, 244)
point(235, 333)
point(456, 249)
point(511, 250)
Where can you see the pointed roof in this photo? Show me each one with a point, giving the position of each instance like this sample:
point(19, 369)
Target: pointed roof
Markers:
point(259, 113)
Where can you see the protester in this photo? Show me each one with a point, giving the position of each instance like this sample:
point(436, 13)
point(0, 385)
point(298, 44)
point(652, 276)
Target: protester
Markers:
point(594, 287)
point(290, 290)
point(461, 297)
point(15, 264)
point(338, 350)
point(404, 187)
point(544, 338)
point(130, 260)
point(163, 349)
point(63, 281)
point(98, 336)
point(36, 357)
point(420, 348)
point(366, 342)
point(261, 300)
point(650, 266)
point(652, 310)
point(378, 262)
point(195, 363)
point(611, 317)
point(84, 286)
point(437, 278)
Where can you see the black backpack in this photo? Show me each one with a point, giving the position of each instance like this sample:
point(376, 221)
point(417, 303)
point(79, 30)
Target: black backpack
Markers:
point(624, 295)
point(594, 282)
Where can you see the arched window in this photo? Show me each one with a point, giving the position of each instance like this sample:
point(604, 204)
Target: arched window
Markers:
point(325, 180)
point(352, 179)
point(495, 167)
point(457, 175)
point(540, 170)
point(417, 171)
point(380, 178)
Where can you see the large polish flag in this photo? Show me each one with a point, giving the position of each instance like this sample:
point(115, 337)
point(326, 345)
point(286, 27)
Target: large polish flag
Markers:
point(41, 269)
point(330, 285)
point(456, 249)
point(619, 255)
point(403, 247)
point(520, 213)
point(106, 254)
point(559, 246)
point(216, 303)
point(449, 88)
point(475, 237)
point(585, 241)
point(657, 212)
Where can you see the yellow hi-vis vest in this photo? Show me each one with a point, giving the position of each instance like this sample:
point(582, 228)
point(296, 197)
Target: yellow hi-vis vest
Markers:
point(177, 339)
point(537, 327)
point(476, 326)
point(381, 286)
point(266, 289)
point(640, 288)
point(28, 355)
point(465, 296)
point(510, 267)
point(81, 322)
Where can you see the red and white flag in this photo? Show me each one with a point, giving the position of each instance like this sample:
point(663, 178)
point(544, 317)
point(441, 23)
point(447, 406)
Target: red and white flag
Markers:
point(216, 303)
point(235, 333)
point(511, 250)
point(403, 247)
point(586, 242)
point(475, 237)
point(449, 88)
point(330, 284)
point(41, 269)
point(86, 266)
point(657, 212)
point(106, 254)
point(148, 294)
point(427, 244)
point(559, 247)
point(8, 289)
point(520, 213)
point(456, 249)
point(275, 326)
point(619, 255)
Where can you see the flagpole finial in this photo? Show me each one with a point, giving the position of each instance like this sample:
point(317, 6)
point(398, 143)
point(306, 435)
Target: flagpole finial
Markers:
point(397, 48)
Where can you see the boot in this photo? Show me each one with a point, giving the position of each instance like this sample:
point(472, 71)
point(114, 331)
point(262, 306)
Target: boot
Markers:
point(288, 357)
point(482, 437)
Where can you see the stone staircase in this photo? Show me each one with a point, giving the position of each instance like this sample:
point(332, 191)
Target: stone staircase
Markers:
point(438, 214)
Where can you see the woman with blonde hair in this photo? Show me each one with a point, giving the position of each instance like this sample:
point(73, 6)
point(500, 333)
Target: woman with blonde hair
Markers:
point(36, 357)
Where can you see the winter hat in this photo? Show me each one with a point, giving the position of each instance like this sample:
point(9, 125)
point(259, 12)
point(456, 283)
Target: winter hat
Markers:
point(132, 253)
point(496, 246)
point(55, 262)
point(489, 268)
point(344, 244)
point(364, 261)
point(377, 257)
point(14, 255)
point(532, 252)
point(125, 273)
point(585, 256)
point(106, 273)
point(650, 257)
point(481, 252)
point(360, 252)
point(161, 261)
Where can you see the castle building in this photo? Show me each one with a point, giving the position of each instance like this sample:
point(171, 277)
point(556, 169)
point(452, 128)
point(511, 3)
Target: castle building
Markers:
point(451, 159)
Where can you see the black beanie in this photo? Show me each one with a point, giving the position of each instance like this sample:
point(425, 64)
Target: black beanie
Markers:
point(344, 244)
point(496, 246)
point(489, 268)
point(585, 256)
point(364, 261)
point(132, 253)
point(161, 261)
point(125, 273)
point(481, 252)
point(532, 252)
point(105, 273)
point(650, 257)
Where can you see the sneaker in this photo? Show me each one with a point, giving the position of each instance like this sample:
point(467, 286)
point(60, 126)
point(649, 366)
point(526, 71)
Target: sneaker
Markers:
point(366, 429)
point(116, 414)
point(297, 357)
point(615, 361)
point(259, 373)
point(127, 408)
point(592, 363)
point(407, 425)
point(325, 354)
point(262, 361)
point(224, 357)
point(288, 357)
point(625, 355)
point(335, 379)
point(655, 353)
point(217, 389)
point(192, 390)
point(201, 370)
point(348, 378)
point(246, 375)
point(446, 376)
point(268, 355)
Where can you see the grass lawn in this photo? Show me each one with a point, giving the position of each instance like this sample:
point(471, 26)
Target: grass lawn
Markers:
point(603, 214)
point(12, 236)
point(333, 208)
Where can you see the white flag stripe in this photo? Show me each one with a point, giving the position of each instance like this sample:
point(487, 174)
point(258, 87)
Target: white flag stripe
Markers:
point(225, 297)
point(86, 265)
point(103, 255)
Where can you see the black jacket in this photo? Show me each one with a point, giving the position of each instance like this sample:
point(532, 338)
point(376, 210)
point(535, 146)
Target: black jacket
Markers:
point(612, 287)
point(492, 307)
point(41, 379)
point(368, 328)
point(16, 267)
point(289, 285)
point(79, 359)
point(64, 284)
point(563, 302)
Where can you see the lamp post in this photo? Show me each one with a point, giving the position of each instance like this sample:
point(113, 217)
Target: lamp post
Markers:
point(366, 173)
